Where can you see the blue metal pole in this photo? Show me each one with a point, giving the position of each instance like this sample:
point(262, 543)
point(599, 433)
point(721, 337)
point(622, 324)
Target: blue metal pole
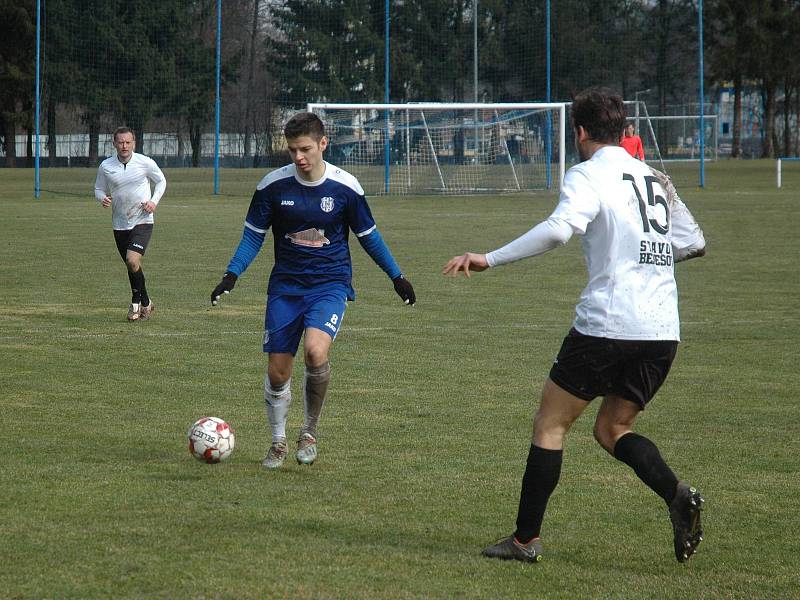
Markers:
point(548, 132)
point(702, 95)
point(386, 148)
point(217, 102)
point(37, 187)
point(547, 43)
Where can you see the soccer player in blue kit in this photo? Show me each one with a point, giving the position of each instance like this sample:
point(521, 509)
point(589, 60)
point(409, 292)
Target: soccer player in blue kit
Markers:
point(311, 206)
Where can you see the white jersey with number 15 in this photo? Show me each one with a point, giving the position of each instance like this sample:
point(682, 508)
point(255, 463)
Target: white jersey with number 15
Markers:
point(631, 223)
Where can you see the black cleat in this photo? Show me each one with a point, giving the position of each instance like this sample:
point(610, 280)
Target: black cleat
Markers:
point(510, 549)
point(684, 512)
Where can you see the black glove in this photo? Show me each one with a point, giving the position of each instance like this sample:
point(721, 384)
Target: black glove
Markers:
point(223, 287)
point(405, 290)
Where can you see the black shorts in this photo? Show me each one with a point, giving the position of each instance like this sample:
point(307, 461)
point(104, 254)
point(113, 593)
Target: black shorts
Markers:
point(135, 239)
point(588, 367)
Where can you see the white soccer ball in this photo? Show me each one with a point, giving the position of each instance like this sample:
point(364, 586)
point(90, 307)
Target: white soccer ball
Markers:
point(211, 439)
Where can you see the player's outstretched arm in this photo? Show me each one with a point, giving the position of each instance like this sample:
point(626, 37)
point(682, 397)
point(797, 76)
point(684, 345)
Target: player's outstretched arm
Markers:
point(543, 237)
point(223, 287)
point(469, 261)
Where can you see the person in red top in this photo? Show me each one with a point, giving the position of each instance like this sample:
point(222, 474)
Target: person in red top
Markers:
point(632, 142)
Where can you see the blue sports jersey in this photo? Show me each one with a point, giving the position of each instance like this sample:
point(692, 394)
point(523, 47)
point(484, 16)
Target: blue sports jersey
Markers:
point(310, 222)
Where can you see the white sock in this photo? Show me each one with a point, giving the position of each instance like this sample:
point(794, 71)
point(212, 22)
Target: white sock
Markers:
point(277, 402)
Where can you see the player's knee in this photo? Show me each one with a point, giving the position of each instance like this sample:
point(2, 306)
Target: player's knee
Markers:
point(600, 435)
point(133, 263)
point(548, 432)
point(278, 376)
point(607, 434)
point(315, 356)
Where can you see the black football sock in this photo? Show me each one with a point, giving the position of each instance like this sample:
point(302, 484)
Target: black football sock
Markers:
point(143, 289)
point(642, 455)
point(137, 285)
point(542, 472)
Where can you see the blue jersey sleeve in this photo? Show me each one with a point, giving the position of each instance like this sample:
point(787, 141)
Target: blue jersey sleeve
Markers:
point(359, 216)
point(379, 252)
point(247, 250)
point(256, 224)
point(259, 215)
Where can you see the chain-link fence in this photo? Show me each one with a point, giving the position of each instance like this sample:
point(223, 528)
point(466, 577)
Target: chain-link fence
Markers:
point(152, 66)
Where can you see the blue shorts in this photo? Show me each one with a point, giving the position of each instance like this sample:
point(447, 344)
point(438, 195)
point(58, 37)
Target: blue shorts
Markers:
point(288, 317)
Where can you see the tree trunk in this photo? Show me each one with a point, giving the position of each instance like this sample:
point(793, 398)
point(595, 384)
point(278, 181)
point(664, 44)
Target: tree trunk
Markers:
point(195, 137)
point(270, 131)
point(767, 146)
point(10, 141)
point(181, 146)
point(797, 123)
point(30, 159)
point(52, 148)
point(249, 92)
point(787, 129)
point(138, 133)
point(94, 140)
point(736, 145)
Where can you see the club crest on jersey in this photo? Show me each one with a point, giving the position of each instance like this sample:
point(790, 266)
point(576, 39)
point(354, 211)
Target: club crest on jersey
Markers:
point(326, 204)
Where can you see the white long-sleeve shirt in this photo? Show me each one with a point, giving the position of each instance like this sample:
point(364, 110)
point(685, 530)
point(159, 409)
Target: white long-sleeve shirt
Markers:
point(634, 227)
point(128, 185)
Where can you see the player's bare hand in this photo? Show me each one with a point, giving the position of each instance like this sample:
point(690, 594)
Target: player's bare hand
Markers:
point(149, 207)
point(467, 262)
point(106, 201)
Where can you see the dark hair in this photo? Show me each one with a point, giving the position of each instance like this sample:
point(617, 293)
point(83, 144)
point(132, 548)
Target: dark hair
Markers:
point(123, 129)
point(305, 123)
point(601, 113)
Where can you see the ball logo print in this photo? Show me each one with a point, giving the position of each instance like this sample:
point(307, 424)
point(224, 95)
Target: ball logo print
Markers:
point(211, 440)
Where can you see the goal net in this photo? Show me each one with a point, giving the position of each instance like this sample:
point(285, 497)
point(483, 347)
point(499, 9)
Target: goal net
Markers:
point(456, 148)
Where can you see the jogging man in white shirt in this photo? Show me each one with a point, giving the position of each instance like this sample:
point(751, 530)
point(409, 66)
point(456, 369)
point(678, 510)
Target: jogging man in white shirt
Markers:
point(123, 183)
point(634, 227)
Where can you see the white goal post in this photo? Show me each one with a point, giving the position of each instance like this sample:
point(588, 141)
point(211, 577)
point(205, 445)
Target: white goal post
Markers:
point(448, 148)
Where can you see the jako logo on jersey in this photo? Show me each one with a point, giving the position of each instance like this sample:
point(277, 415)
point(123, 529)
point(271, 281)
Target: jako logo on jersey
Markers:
point(330, 326)
point(326, 204)
point(287, 202)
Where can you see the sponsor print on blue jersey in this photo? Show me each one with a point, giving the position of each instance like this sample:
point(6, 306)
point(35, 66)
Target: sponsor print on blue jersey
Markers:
point(312, 238)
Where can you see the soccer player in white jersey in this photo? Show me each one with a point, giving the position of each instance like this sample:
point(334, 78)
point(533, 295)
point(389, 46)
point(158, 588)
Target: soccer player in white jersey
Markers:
point(634, 227)
point(123, 183)
point(311, 206)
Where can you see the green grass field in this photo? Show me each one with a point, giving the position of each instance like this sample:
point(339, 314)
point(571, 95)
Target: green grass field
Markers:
point(426, 429)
